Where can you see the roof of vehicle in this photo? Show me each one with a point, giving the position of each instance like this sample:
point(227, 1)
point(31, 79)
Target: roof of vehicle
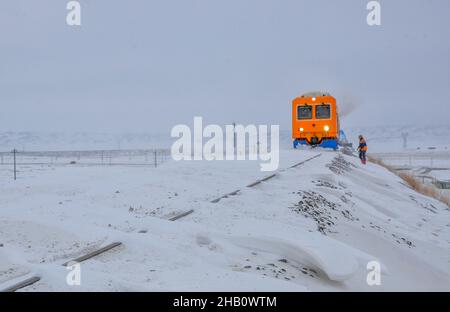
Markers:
point(315, 94)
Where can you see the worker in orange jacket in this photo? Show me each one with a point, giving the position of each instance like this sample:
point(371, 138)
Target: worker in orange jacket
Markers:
point(362, 149)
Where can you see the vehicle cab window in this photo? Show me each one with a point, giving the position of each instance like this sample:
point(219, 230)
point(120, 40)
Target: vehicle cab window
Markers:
point(323, 111)
point(304, 112)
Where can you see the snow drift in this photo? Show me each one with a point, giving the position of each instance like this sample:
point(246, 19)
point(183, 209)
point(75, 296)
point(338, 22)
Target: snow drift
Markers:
point(310, 228)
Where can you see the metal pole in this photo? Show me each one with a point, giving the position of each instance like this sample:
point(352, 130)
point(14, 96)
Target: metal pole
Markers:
point(15, 175)
point(155, 159)
point(234, 137)
point(405, 140)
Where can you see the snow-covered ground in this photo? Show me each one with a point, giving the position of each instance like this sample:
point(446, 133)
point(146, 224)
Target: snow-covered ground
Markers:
point(427, 151)
point(380, 139)
point(432, 167)
point(389, 139)
point(68, 141)
point(310, 228)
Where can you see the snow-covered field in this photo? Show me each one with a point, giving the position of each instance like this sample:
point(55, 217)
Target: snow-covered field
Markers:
point(62, 141)
point(310, 228)
point(389, 139)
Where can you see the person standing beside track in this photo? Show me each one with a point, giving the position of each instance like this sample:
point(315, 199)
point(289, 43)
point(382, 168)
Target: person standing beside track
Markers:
point(362, 149)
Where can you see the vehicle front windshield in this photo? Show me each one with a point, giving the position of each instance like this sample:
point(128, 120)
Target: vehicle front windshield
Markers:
point(304, 112)
point(323, 111)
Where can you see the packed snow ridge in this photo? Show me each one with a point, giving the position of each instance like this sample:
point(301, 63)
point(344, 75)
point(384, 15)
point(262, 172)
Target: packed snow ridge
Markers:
point(313, 227)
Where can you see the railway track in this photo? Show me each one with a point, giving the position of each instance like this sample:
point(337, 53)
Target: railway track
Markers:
point(257, 182)
point(22, 284)
point(34, 279)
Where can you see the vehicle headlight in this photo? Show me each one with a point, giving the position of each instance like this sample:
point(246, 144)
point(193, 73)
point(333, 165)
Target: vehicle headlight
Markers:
point(301, 129)
point(326, 128)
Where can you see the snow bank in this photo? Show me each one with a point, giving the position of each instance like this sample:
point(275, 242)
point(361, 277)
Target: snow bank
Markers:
point(313, 227)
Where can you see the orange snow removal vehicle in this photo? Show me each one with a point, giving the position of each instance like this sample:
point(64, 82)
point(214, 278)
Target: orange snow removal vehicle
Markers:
point(315, 120)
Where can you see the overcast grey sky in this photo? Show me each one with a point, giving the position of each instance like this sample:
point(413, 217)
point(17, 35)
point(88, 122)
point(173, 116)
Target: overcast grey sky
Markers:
point(145, 65)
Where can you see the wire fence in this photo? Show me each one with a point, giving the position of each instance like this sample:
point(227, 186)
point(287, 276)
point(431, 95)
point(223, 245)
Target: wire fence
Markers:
point(15, 161)
point(438, 159)
point(150, 157)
